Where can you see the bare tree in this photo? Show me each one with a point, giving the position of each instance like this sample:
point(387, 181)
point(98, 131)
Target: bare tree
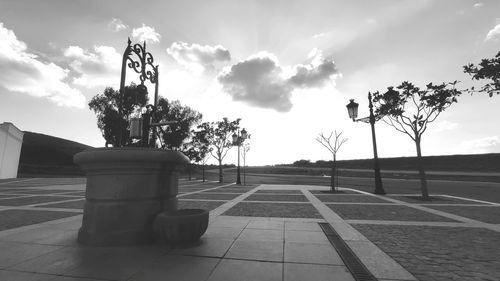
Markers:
point(333, 148)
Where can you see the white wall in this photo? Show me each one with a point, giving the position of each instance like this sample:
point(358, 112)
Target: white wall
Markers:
point(11, 141)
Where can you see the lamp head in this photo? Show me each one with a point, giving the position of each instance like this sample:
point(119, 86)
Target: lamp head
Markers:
point(352, 109)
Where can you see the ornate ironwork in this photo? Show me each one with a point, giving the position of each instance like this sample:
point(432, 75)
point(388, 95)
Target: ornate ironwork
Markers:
point(145, 61)
point(144, 66)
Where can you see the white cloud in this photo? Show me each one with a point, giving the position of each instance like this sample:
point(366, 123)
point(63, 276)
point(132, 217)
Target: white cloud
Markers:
point(481, 145)
point(197, 58)
point(319, 35)
point(494, 33)
point(316, 73)
point(98, 68)
point(146, 34)
point(261, 81)
point(23, 72)
point(117, 25)
point(478, 5)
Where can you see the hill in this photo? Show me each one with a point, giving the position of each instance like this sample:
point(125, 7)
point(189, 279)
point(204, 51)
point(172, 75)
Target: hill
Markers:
point(489, 162)
point(44, 155)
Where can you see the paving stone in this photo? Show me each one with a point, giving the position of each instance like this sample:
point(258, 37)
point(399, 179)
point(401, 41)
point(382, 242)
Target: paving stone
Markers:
point(298, 236)
point(202, 196)
point(16, 218)
point(316, 272)
point(179, 268)
point(280, 197)
point(249, 234)
point(199, 204)
point(256, 250)
point(384, 212)
point(283, 210)
point(9, 275)
point(486, 213)
point(434, 199)
point(206, 247)
point(278, 191)
point(243, 270)
point(32, 200)
point(78, 204)
point(427, 252)
point(355, 198)
point(311, 253)
point(12, 253)
point(302, 226)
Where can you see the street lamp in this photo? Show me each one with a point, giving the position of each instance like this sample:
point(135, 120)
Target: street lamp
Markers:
point(352, 109)
point(238, 139)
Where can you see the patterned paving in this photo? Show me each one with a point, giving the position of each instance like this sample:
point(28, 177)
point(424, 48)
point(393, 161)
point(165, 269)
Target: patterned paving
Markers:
point(262, 232)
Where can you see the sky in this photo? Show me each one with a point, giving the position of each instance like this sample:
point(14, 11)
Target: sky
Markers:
point(286, 68)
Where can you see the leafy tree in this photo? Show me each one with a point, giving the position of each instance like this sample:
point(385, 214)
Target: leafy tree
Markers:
point(333, 148)
point(489, 70)
point(219, 135)
point(114, 112)
point(198, 148)
point(179, 132)
point(410, 109)
point(302, 163)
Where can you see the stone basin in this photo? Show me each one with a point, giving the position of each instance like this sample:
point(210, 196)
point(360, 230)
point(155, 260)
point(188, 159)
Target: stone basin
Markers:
point(126, 188)
point(180, 227)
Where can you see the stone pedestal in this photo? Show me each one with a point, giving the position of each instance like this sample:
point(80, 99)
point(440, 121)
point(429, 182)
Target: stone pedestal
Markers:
point(126, 189)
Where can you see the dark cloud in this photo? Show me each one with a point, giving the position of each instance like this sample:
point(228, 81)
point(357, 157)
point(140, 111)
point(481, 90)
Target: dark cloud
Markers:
point(257, 81)
point(260, 81)
point(308, 76)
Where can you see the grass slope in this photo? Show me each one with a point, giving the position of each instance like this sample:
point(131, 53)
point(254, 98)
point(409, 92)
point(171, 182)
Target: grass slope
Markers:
point(47, 155)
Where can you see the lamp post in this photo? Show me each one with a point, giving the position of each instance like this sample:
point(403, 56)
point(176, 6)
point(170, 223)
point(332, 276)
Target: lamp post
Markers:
point(352, 109)
point(238, 139)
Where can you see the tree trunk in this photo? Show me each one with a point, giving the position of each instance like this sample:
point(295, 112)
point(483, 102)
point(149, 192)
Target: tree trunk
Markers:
point(203, 171)
point(423, 177)
point(220, 172)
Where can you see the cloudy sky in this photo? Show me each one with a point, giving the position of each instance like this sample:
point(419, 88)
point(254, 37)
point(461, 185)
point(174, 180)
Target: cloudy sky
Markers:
point(286, 68)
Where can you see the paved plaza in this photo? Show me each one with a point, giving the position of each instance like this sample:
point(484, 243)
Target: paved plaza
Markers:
point(258, 232)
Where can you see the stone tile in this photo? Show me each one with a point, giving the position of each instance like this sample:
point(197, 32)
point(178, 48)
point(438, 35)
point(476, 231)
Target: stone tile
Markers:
point(311, 253)
point(32, 235)
point(303, 226)
point(6, 275)
point(206, 247)
point(12, 253)
point(241, 270)
point(119, 263)
point(249, 234)
point(257, 250)
point(74, 224)
point(222, 221)
point(222, 232)
point(316, 272)
point(62, 260)
point(69, 278)
point(62, 238)
point(266, 224)
point(179, 268)
point(306, 237)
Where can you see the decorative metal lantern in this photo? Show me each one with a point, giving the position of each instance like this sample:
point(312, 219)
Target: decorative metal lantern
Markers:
point(136, 128)
point(352, 109)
